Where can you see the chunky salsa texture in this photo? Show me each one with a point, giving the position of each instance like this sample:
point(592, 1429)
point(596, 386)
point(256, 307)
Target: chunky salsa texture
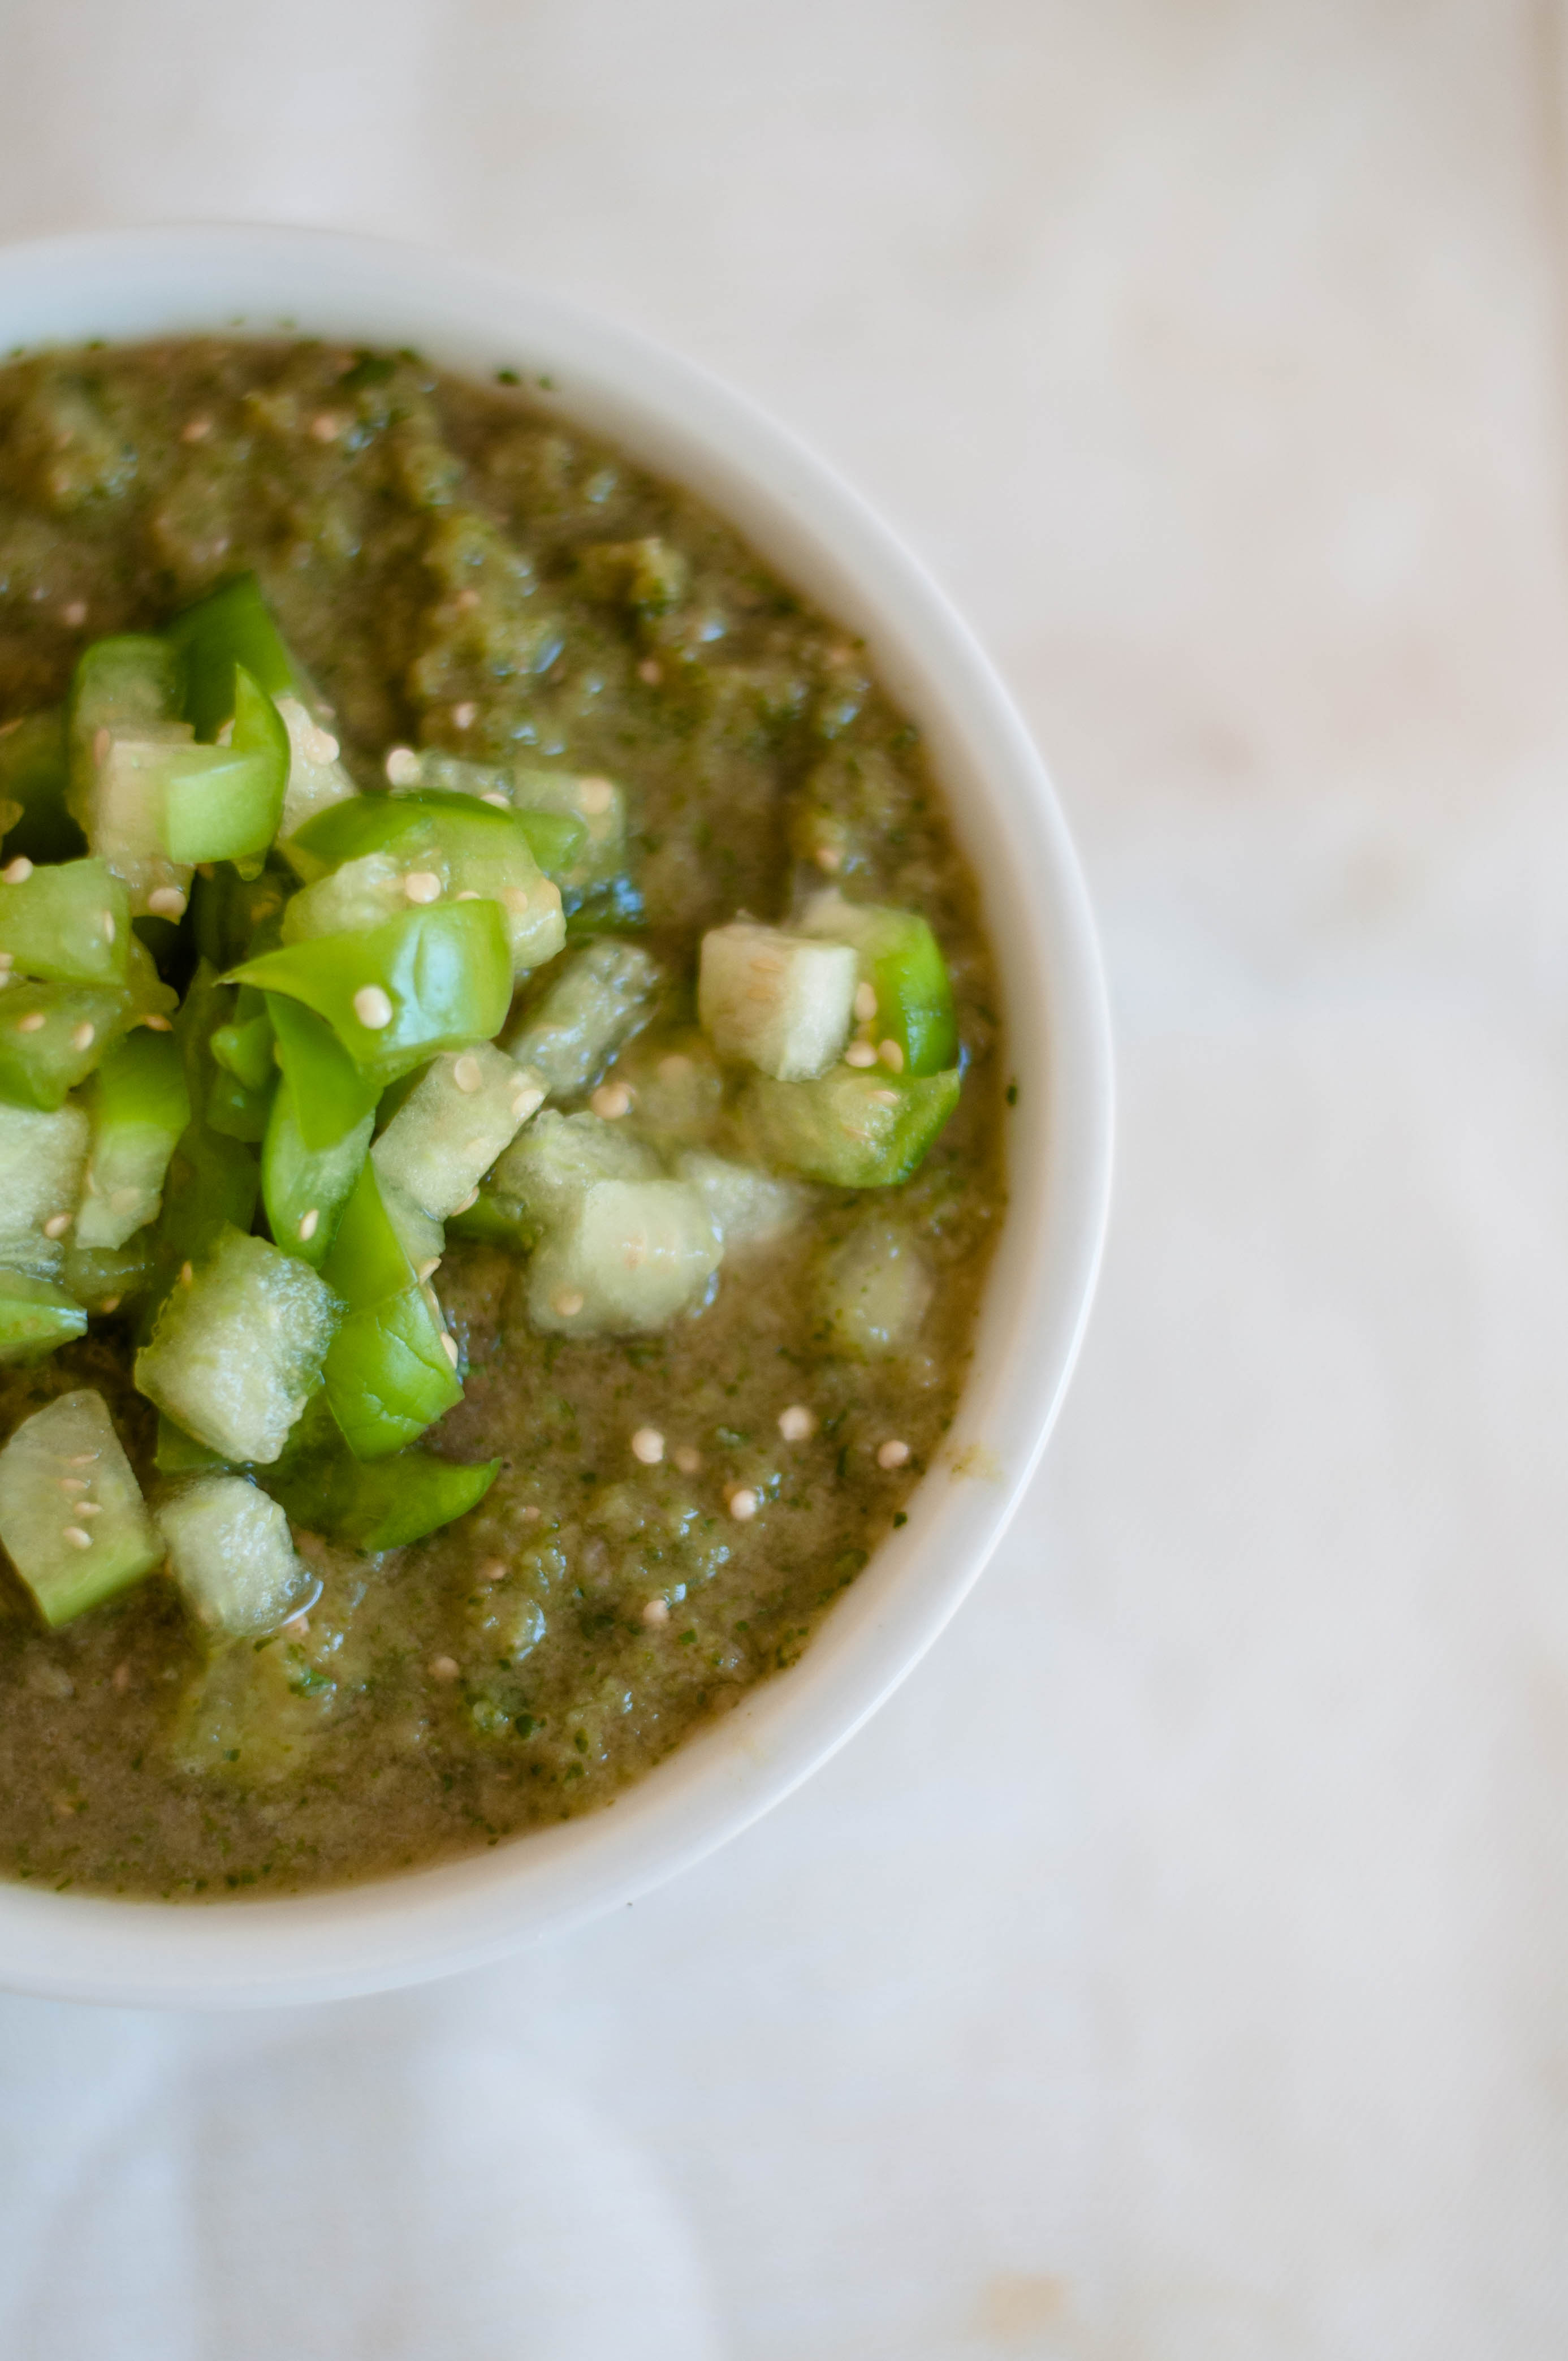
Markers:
point(500, 1116)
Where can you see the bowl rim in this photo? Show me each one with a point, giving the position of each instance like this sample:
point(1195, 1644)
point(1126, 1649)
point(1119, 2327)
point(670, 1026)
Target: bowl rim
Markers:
point(123, 284)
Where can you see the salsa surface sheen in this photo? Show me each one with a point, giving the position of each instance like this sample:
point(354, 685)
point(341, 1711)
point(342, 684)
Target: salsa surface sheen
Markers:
point(457, 570)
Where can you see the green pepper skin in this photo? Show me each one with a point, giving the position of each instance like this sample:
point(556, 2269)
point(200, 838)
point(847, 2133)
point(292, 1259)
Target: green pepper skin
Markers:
point(331, 1093)
point(68, 924)
point(224, 803)
point(446, 970)
point(382, 1506)
point(230, 629)
point(298, 1181)
point(901, 960)
point(387, 1372)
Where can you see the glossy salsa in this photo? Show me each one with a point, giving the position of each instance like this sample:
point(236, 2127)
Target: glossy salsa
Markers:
point(501, 1113)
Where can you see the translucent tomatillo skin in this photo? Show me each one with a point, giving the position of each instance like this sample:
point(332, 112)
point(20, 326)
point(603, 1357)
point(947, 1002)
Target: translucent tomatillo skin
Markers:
point(68, 924)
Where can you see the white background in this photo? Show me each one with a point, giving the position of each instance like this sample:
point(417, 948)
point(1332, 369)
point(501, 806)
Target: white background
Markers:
point(1175, 1971)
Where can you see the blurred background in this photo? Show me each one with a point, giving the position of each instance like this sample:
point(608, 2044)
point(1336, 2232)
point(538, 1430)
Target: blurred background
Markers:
point(1176, 1969)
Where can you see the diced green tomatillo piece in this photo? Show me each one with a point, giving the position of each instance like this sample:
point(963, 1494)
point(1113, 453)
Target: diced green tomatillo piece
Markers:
point(71, 1515)
point(52, 1035)
point(223, 803)
point(36, 1316)
point(751, 1208)
point(625, 1261)
point(236, 1351)
point(782, 1002)
point(231, 626)
point(381, 1505)
point(42, 1160)
point(131, 687)
point(305, 1190)
point(874, 1292)
point(677, 1090)
point(391, 1368)
point(436, 979)
point(317, 779)
point(332, 1095)
point(853, 1129)
point(599, 808)
point(557, 1159)
point(603, 995)
point(123, 724)
point(465, 1109)
point(902, 966)
point(231, 1552)
point(105, 1278)
point(358, 893)
point(214, 1018)
point(34, 774)
point(179, 1454)
point(138, 1107)
point(70, 923)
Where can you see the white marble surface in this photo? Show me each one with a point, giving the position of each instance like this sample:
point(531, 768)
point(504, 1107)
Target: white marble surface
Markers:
point(1176, 1971)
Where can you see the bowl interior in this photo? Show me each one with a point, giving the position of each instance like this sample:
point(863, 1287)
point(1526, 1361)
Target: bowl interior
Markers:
point(817, 533)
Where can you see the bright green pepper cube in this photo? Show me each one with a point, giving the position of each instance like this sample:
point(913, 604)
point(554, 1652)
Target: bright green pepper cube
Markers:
point(389, 1374)
point(599, 808)
point(71, 1515)
point(138, 1107)
point(231, 628)
point(231, 1552)
point(36, 1316)
point(903, 971)
point(70, 923)
point(382, 1505)
point(852, 1128)
point(236, 1349)
point(224, 803)
point(436, 979)
point(305, 1189)
point(332, 1095)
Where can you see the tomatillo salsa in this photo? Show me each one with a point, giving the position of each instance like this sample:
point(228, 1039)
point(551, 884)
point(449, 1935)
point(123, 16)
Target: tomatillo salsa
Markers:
point(501, 1112)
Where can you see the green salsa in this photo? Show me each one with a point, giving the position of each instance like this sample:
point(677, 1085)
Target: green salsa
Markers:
point(501, 1101)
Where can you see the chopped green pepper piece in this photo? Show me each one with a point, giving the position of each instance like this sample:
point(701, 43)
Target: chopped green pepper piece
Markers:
point(388, 1372)
point(899, 958)
point(381, 1506)
point(233, 627)
point(223, 803)
point(69, 924)
point(331, 1093)
point(35, 1316)
point(304, 1189)
point(244, 1048)
point(394, 994)
point(460, 823)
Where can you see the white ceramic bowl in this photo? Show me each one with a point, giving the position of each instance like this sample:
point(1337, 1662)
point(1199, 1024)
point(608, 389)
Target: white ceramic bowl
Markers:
point(138, 283)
